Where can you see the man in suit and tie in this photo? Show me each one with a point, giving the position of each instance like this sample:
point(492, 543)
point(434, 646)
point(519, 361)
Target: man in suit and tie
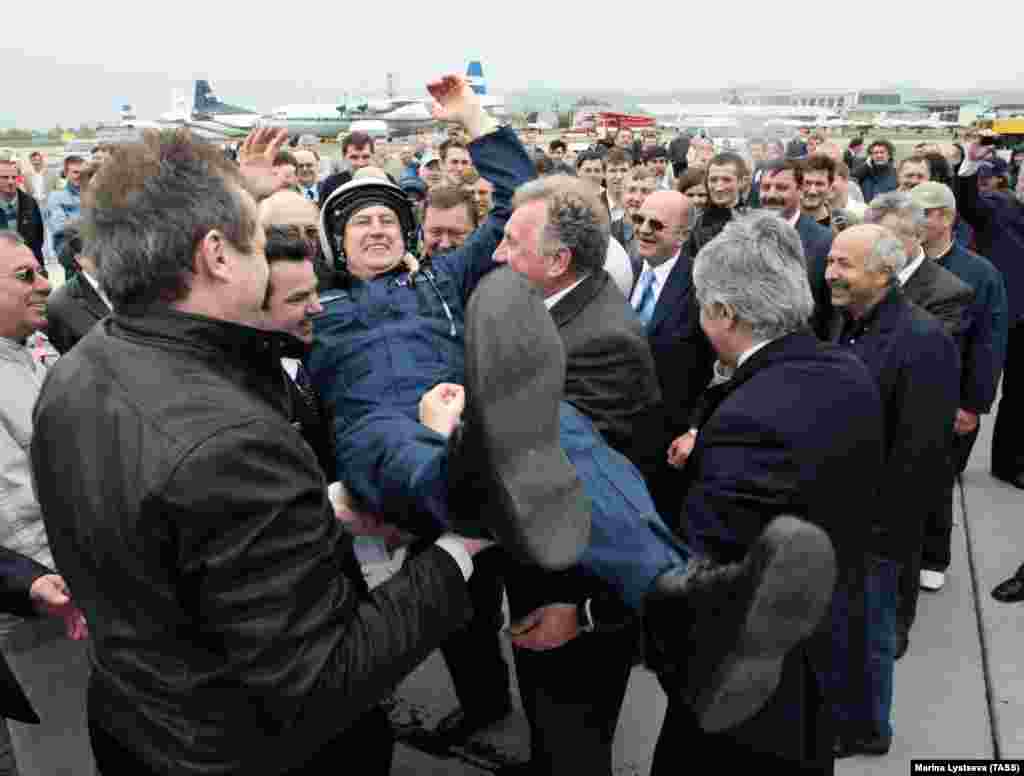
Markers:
point(781, 190)
point(307, 170)
point(663, 300)
point(610, 379)
point(79, 304)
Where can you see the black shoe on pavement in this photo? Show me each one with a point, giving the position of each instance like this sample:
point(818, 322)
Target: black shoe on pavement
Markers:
point(506, 464)
point(743, 618)
point(1017, 480)
point(876, 745)
point(1010, 591)
point(459, 726)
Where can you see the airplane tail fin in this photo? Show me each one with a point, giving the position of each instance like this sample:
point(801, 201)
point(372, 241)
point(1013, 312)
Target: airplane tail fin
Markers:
point(475, 76)
point(203, 98)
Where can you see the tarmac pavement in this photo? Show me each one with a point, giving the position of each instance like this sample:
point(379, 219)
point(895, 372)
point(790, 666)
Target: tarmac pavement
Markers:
point(959, 691)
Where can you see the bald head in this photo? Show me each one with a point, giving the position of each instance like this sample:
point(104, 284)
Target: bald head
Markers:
point(861, 267)
point(306, 167)
point(667, 216)
point(287, 208)
point(370, 172)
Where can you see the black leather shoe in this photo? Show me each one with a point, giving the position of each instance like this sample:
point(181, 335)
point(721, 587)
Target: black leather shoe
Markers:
point(902, 643)
point(1012, 590)
point(507, 453)
point(1017, 480)
point(743, 618)
point(459, 725)
point(876, 745)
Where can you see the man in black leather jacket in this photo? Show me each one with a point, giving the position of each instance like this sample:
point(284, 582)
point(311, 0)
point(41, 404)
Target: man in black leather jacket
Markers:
point(232, 631)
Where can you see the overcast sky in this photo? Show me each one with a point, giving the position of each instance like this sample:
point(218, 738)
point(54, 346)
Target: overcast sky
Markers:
point(86, 59)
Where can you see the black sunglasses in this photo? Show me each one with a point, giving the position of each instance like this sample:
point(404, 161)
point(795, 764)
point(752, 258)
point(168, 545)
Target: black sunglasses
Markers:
point(656, 225)
point(27, 275)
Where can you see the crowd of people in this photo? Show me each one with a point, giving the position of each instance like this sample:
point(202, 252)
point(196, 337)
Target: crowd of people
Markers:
point(702, 409)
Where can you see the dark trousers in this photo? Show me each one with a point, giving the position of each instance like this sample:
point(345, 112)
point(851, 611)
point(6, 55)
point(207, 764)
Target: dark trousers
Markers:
point(572, 697)
point(1007, 441)
point(370, 742)
point(938, 525)
point(473, 654)
point(682, 742)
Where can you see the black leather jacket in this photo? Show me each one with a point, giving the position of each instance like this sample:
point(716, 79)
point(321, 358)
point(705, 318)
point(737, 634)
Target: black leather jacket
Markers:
point(231, 629)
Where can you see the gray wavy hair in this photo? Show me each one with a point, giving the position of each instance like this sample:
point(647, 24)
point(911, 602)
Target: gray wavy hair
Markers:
point(576, 219)
point(756, 268)
point(899, 204)
point(886, 255)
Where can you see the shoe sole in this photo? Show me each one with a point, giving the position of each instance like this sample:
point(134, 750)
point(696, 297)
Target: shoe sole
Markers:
point(793, 574)
point(515, 379)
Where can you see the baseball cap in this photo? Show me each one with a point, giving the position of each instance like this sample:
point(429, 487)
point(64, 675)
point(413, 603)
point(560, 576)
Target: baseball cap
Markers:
point(994, 168)
point(932, 194)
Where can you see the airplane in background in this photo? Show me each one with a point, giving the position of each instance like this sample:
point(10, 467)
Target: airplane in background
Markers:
point(207, 118)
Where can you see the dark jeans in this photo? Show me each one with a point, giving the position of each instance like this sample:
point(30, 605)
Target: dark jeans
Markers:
point(881, 608)
point(1007, 442)
point(369, 742)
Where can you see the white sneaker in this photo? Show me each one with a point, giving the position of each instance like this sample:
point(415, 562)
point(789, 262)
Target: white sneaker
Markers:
point(932, 580)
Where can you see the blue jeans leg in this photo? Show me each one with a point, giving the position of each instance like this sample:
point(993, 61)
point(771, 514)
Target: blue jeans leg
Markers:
point(397, 467)
point(881, 588)
point(630, 545)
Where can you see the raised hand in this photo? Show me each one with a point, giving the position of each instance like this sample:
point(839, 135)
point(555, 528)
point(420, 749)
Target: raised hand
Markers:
point(455, 101)
point(256, 158)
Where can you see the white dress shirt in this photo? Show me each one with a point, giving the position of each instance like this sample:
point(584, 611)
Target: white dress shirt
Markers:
point(908, 271)
point(617, 265)
point(555, 298)
point(96, 287)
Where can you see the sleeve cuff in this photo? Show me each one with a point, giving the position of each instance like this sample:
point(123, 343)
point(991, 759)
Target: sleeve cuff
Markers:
point(455, 548)
point(968, 167)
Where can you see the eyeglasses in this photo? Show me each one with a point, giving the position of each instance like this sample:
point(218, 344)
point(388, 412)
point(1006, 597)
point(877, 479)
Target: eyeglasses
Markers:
point(656, 225)
point(306, 167)
point(27, 275)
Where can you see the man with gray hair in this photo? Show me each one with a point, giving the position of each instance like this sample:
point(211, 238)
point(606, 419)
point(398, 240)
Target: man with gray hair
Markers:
point(762, 451)
point(917, 369)
point(924, 282)
point(557, 239)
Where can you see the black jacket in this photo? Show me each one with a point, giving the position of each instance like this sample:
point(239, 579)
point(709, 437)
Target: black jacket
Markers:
point(30, 224)
point(17, 574)
point(71, 311)
point(709, 225)
point(944, 295)
point(917, 367)
point(231, 631)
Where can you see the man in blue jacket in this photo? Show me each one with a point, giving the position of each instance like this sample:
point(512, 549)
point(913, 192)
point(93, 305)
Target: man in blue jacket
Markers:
point(387, 336)
point(998, 221)
point(984, 351)
point(65, 205)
